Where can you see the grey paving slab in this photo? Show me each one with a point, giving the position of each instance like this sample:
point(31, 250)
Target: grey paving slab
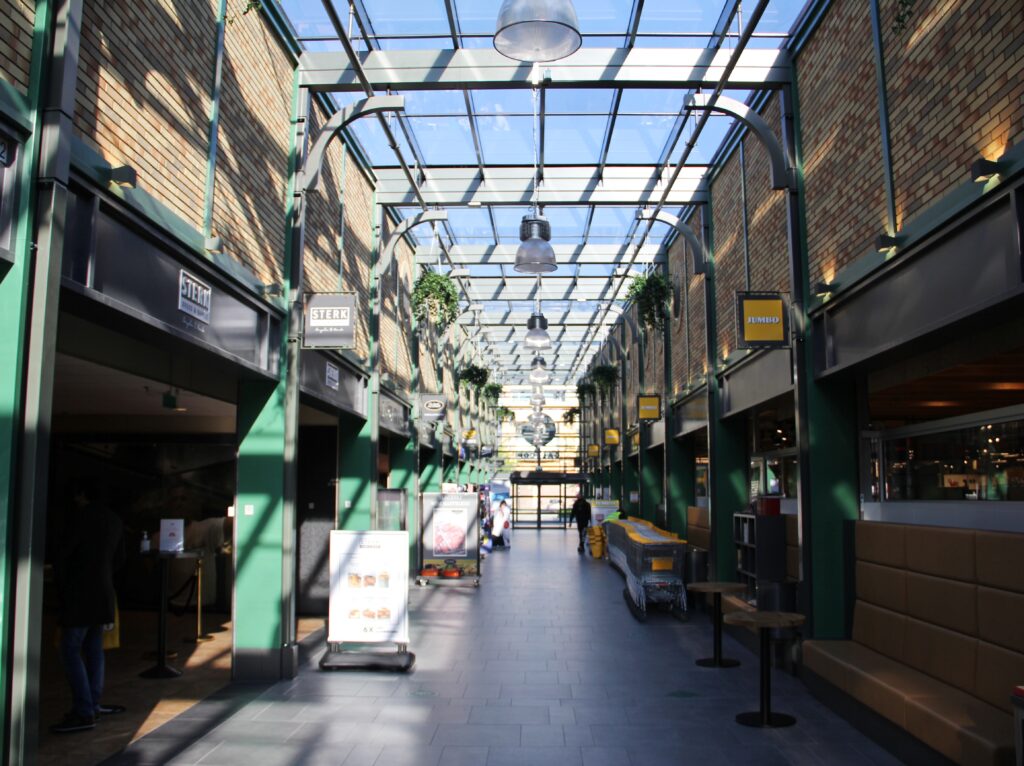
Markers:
point(543, 664)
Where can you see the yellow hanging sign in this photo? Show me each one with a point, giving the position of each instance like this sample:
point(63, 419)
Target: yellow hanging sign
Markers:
point(763, 320)
point(611, 436)
point(593, 450)
point(649, 406)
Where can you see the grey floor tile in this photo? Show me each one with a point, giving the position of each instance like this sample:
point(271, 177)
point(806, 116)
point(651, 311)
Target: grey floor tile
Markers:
point(543, 736)
point(510, 715)
point(474, 734)
point(457, 755)
point(534, 756)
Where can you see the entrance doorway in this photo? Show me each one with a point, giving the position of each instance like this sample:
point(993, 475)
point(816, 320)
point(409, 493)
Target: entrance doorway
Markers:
point(543, 500)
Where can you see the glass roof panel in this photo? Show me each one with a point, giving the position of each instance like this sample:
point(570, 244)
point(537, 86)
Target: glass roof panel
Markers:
point(645, 101)
point(421, 102)
point(611, 223)
point(444, 140)
point(471, 225)
point(507, 220)
point(500, 102)
point(506, 140)
point(711, 136)
point(780, 15)
point(477, 16)
point(566, 222)
point(371, 137)
point(578, 101)
point(603, 16)
point(639, 140)
point(308, 18)
point(674, 16)
point(415, 43)
point(424, 17)
point(573, 140)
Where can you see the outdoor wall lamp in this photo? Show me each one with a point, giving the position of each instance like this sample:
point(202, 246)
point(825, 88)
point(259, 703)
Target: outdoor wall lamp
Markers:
point(122, 175)
point(213, 245)
point(273, 289)
point(821, 289)
point(537, 30)
point(885, 242)
point(983, 170)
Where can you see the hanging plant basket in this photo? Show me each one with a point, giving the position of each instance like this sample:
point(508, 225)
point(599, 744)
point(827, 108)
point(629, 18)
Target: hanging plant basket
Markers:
point(651, 293)
point(570, 415)
point(435, 300)
point(586, 390)
point(491, 392)
point(474, 376)
point(501, 414)
point(605, 376)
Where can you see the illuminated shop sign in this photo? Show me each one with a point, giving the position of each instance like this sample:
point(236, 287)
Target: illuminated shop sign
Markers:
point(763, 320)
point(611, 436)
point(649, 406)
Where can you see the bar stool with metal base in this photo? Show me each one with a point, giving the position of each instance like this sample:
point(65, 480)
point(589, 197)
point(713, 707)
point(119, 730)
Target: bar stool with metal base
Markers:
point(765, 622)
point(717, 589)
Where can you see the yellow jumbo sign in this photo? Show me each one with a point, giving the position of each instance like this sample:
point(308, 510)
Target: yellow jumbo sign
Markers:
point(611, 436)
point(763, 320)
point(593, 450)
point(649, 406)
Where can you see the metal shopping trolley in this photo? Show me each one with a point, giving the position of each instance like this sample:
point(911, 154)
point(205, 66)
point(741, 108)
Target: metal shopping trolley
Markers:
point(652, 561)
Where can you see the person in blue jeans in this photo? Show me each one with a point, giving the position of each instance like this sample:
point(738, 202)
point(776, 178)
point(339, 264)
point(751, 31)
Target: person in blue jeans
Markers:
point(91, 549)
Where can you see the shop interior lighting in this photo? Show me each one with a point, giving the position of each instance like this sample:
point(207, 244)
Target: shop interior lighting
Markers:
point(537, 30)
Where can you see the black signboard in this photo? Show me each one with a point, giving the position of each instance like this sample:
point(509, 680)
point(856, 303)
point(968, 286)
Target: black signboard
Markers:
point(329, 320)
point(332, 383)
point(431, 407)
point(394, 416)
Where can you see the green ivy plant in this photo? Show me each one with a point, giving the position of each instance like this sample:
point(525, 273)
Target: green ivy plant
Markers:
point(250, 5)
point(474, 376)
point(570, 415)
point(435, 300)
point(491, 392)
point(605, 376)
point(501, 414)
point(586, 390)
point(650, 293)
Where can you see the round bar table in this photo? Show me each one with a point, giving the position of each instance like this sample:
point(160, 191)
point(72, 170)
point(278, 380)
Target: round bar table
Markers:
point(765, 622)
point(162, 669)
point(717, 589)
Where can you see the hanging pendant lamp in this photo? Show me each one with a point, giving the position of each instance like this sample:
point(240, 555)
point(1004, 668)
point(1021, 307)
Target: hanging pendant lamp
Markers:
point(537, 30)
point(535, 255)
point(539, 372)
point(537, 332)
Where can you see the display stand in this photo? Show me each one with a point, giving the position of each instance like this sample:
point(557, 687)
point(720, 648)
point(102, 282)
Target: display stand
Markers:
point(450, 543)
point(369, 602)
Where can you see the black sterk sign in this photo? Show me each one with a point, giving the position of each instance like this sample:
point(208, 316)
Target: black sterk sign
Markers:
point(329, 320)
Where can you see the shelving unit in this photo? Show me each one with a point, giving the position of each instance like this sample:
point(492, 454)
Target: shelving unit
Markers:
point(760, 550)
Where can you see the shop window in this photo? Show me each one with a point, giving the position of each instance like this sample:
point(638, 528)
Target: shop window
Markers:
point(978, 462)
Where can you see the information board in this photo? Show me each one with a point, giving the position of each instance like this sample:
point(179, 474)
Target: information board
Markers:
point(451, 530)
point(369, 597)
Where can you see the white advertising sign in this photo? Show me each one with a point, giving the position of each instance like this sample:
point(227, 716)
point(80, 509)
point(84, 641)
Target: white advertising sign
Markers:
point(369, 597)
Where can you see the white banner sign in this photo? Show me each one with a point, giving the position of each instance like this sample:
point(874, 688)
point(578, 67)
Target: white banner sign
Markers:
point(369, 600)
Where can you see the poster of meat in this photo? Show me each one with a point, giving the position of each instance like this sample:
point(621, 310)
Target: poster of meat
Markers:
point(450, 529)
point(369, 587)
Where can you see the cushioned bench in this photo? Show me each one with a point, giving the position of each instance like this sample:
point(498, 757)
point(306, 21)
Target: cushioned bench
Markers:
point(938, 636)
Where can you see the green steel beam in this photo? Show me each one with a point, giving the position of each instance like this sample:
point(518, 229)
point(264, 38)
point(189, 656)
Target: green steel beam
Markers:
point(214, 129)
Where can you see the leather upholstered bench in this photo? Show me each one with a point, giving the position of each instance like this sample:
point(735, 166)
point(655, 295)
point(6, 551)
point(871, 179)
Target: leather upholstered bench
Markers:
point(938, 636)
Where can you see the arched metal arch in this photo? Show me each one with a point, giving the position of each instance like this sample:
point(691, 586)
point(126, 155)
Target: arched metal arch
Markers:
point(387, 255)
point(783, 176)
point(700, 256)
point(309, 176)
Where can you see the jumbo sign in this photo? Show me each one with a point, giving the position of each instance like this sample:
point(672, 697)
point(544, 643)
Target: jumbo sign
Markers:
point(763, 320)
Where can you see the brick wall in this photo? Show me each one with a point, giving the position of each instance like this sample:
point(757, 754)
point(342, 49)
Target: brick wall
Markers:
point(730, 276)
point(654, 360)
point(842, 155)
point(16, 19)
point(359, 223)
point(696, 319)
point(679, 270)
point(321, 256)
point(766, 211)
point(254, 136)
point(396, 322)
point(143, 97)
point(955, 83)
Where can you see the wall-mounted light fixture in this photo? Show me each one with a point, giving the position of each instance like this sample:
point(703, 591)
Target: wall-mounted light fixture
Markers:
point(273, 289)
point(884, 242)
point(213, 245)
point(821, 289)
point(122, 175)
point(983, 170)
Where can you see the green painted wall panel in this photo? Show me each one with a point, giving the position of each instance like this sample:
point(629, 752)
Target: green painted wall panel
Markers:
point(680, 482)
point(729, 487)
point(356, 455)
point(259, 536)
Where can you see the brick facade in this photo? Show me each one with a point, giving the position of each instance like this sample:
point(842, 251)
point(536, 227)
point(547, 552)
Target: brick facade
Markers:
point(955, 84)
point(16, 20)
point(766, 211)
point(696, 316)
point(143, 99)
point(254, 136)
point(730, 275)
point(842, 154)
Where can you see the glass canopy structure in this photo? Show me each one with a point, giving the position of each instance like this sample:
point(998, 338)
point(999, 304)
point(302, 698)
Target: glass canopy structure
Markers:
point(592, 139)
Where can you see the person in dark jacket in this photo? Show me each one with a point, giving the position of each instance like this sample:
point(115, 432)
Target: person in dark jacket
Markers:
point(91, 549)
point(581, 512)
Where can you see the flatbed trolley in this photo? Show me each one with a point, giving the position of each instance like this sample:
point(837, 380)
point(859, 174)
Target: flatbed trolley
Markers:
point(652, 561)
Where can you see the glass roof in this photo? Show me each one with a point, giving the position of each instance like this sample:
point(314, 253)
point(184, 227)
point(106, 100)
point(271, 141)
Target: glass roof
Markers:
point(589, 137)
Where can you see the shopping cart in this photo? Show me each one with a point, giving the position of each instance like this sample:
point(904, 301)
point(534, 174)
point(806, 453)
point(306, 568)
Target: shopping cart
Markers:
point(652, 561)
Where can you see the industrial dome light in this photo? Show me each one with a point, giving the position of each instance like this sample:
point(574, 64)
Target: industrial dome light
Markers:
point(535, 255)
point(537, 30)
point(537, 332)
point(539, 372)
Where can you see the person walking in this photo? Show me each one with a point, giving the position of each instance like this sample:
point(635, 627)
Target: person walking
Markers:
point(501, 525)
point(91, 549)
point(581, 512)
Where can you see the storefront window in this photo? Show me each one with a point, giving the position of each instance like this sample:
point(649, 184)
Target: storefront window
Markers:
point(983, 462)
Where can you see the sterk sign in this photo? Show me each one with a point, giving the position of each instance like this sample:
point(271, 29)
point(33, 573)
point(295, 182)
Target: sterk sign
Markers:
point(328, 320)
point(763, 320)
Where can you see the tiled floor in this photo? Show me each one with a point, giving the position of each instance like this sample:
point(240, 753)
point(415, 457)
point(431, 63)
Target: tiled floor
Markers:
point(542, 665)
